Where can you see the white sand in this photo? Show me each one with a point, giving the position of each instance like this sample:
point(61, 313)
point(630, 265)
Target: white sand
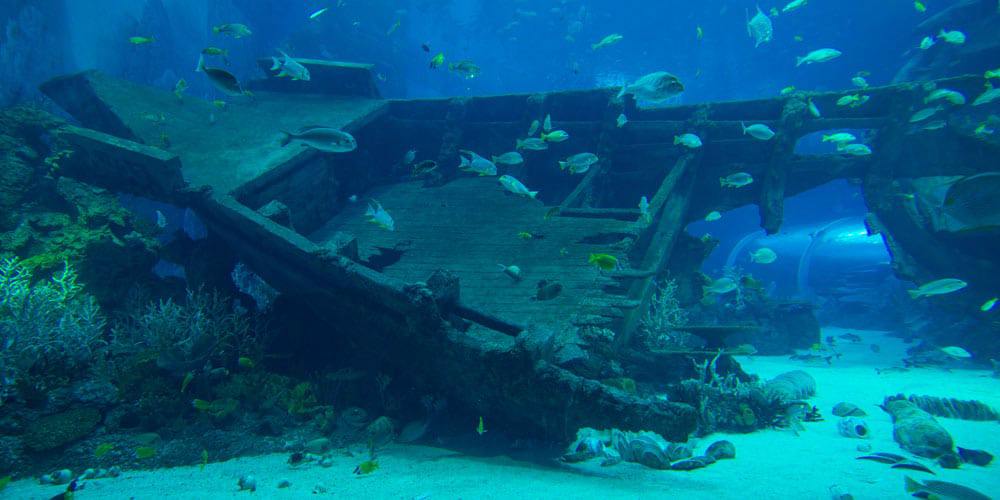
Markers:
point(769, 464)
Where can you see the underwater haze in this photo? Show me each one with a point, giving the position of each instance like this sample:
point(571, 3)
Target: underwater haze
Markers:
point(499, 249)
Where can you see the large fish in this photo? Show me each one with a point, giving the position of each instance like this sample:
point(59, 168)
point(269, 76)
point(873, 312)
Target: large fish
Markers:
point(973, 201)
point(220, 78)
point(289, 67)
point(760, 28)
point(656, 87)
point(326, 139)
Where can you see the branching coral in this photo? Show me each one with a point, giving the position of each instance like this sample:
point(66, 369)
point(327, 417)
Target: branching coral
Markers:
point(665, 313)
point(49, 326)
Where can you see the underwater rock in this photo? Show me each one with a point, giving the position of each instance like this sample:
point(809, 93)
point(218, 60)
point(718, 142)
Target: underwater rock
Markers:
point(791, 386)
point(53, 431)
point(844, 409)
point(916, 431)
point(284, 483)
point(61, 476)
point(975, 457)
point(853, 427)
point(720, 450)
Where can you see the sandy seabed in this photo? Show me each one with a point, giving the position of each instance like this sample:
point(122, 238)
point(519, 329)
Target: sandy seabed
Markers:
point(769, 464)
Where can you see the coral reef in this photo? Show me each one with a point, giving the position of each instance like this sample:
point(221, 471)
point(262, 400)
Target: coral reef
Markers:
point(53, 431)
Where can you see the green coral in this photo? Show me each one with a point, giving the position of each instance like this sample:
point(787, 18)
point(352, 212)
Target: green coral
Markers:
point(53, 431)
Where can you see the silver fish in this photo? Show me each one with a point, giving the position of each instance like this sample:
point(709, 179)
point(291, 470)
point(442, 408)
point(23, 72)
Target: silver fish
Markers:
point(326, 139)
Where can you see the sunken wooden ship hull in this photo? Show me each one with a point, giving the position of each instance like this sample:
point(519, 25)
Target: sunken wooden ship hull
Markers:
point(428, 298)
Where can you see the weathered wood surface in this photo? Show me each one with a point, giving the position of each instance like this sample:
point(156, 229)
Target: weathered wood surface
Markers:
point(470, 226)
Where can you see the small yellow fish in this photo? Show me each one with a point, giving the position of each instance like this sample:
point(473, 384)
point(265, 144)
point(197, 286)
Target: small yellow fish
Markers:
point(816, 347)
point(201, 405)
point(219, 103)
point(787, 90)
point(214, 51)
point(204, 459)
point(988, 305)
point(437, 61)
point(103, 449)
point(188, 377)
point(798, 38)
point(392, 29)
point(919, 6)
point(246, 362)
point(366, 467)
point(524, 235)
point(700, 32)
point(480, 428)
point(992, 73)
point(141, 40)
point(180, 87)
point(144, 452)
point(603, 261)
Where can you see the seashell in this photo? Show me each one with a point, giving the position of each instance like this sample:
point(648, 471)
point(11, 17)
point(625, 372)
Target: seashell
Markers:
point(648, 452)
point(679, 451)
point(693, 463)
point(853, 427)
point(844, 409)
point(721, 450)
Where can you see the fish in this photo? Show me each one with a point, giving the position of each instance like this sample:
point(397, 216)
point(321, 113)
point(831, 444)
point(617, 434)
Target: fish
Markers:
point(467, 69)
point(988, 305)
point(607, 41)
point(180, 87)
point(221, 79)
point(926, 43)
point(989, 95)
point(953, 37)
point(855, 149)
point(787, 90)
point(215, 51)
point(972, 200)
point(798, 38)
point(937, 287)
point(736, 180)
point(622, 120)
point(603, 261)
point(532, 144)
point(759, 28)
point(699, 33)
point(318, 13)
point(409, 156)
point(245, 362)
point(763, 256)
point(352, 198)
point(758, 131)
point(524, 235)
point(480, 428)
point(794, 5)
point(911, 465)
point(547, 123)
point(141, 40)
point(366, 467)
point(514, 272)
point(859, 81)
point(425, 47)
point(935, 125)
point(548, 290)
point(144, 452)
point(161, 220)
point(883, 458)
point(720, 286)
point(204, 459)
point(395, 26)
point(688, 140)
point(219, 104)
point(437, 60)
point(942, 490)
point(813, 110)
point(103, 449)
point(713, 216)
point(919, 6)
point(286, 66)
point(533, 128)
point(510, 159)
point(326, 139)
point(188, 377)
point(956, 352)
point(644, 210)
point(853, 100)
point(818, 56)
point(952, 96)
point(839, 138)
point(555, 136)
point(924, 114)
point(515, 186)
point(983, 130)
point(379, 216)
point(579, 163)
point(992, 73)
point(655, 87)
point(472, 162)
point(234, 30)
point(851, 337)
